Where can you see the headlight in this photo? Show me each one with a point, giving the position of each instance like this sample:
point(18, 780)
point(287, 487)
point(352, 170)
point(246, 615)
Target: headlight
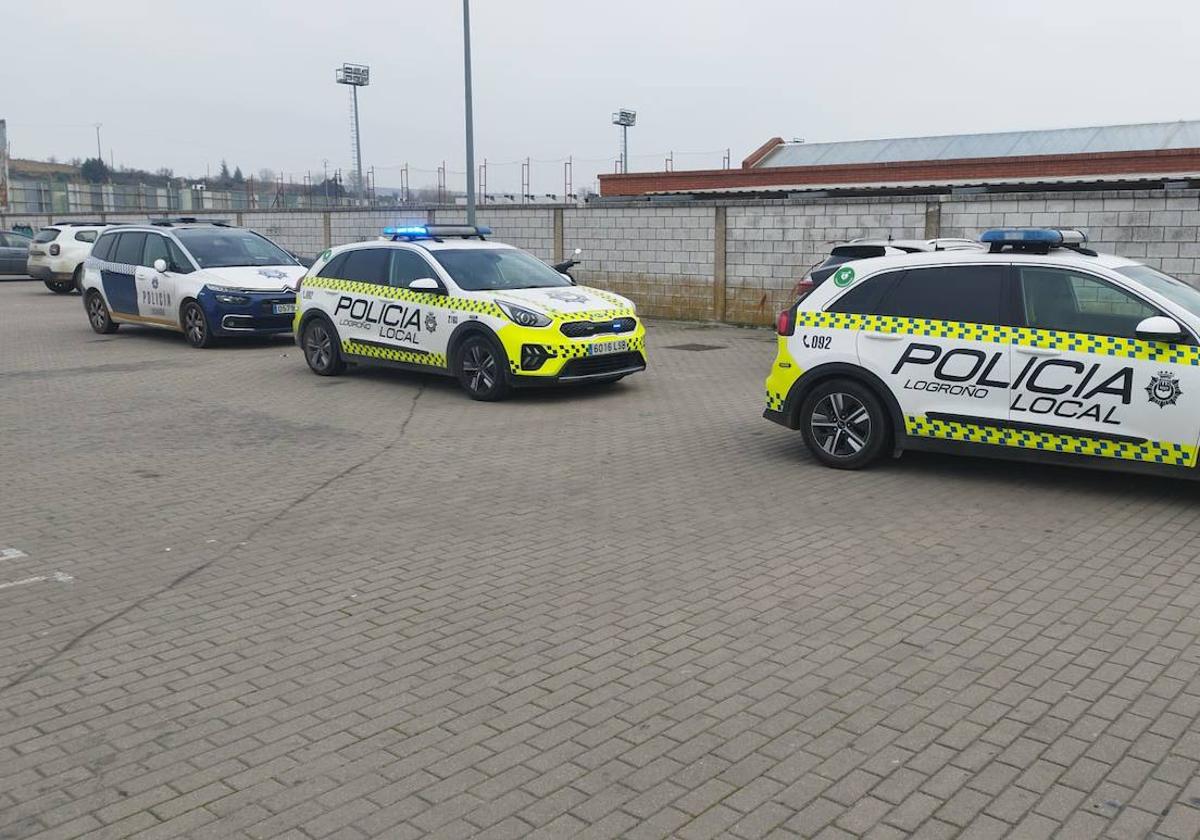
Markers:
point(521, 316)
point(227, 295)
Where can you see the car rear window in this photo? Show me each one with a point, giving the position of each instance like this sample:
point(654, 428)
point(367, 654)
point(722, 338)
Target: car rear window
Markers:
point(47, 235)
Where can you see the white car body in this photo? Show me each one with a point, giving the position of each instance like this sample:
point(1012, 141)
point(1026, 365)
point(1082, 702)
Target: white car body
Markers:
point(56, 259)
point(1026, 386)
point(234, 300)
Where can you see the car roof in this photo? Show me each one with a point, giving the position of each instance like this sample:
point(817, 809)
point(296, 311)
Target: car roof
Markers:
point(1060, 256)
point(448, 243)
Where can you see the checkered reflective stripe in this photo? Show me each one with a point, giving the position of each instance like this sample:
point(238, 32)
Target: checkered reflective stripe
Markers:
point(1104, 345)
point(774, 401)
point(481, 307)
point(578, 350)
point(1155, 452)
point(591, 315)
point(393, 354)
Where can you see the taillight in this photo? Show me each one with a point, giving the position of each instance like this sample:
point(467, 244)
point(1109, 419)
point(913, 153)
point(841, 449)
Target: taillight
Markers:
point(54, 250)
point(804, 288)
point(785, 323)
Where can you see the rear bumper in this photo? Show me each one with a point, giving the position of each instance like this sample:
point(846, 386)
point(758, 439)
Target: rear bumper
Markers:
point(44, 272)
point(776, 417)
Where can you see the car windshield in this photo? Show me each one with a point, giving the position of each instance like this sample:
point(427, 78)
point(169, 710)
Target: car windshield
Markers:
point(225, 248)
point(1176, 291)
point(485, 269)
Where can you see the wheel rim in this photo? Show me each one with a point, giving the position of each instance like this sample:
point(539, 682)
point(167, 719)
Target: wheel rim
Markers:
point(319, 347)
point(96, 312)
point(479, 365)
point(841, 425)
point(193, 324)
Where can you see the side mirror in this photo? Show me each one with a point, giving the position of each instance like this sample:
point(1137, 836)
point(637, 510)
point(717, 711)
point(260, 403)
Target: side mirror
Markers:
point(1160, 328)
point(567, 277)
point(426, 284)
point(160, 265)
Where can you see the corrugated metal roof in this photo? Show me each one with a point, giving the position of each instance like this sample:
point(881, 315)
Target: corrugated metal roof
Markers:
point(1060, 141)
point(1049, 181)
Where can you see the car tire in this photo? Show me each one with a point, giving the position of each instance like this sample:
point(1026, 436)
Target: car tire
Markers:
point(322, 351)
point(481, 367)
point(98, 315)
point(844, 424)
point(60, 287)
point(195, 325)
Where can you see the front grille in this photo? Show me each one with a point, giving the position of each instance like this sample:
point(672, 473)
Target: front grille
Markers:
point(582, 329)
point(609, 363)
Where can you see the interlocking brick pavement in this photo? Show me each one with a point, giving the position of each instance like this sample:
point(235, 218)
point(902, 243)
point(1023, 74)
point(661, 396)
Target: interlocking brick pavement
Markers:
point(368, 607)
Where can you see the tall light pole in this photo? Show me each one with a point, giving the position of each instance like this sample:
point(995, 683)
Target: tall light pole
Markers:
point(624, 118)
point(356, 75)
point(99, 153)
point(470, 126)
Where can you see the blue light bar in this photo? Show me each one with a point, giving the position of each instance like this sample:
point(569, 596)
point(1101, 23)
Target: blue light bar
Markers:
point(436, 231)
point(411, 230)
point(1046, 237)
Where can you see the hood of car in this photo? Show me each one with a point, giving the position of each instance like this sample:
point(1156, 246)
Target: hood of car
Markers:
point(561, 301)
point(255, 278)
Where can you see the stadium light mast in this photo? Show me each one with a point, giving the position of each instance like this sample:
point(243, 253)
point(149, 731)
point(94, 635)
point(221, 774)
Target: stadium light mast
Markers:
point(356, 76)
point(470, 126)
point(624, 118)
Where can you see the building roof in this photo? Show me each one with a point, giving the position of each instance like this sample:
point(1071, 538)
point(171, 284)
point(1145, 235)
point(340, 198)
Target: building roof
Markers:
point(1059, 141)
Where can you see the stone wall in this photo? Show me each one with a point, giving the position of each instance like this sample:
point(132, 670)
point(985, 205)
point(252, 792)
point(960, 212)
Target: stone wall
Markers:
point(739, 260)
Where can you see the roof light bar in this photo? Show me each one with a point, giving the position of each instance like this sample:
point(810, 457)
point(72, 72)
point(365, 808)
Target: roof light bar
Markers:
point(436, 231)
point(1033, 239)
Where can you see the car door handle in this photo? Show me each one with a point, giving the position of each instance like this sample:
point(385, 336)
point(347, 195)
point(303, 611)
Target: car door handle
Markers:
point(884, 336)
point(1038, 351)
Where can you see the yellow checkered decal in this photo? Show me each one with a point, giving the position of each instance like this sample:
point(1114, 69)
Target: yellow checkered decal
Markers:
point(1155, 351)
point(578, 350)
point(393, 354)
point(1155, 452)
point(775, 401)
point(482, 307)
point(593, 315)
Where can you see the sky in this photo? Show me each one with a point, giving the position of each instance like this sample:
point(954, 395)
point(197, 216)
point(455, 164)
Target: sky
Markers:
point(185, 84)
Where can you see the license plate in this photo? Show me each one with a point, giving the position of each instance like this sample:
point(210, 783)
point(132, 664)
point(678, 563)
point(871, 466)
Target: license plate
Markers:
point(600, 348)
point(284, 308)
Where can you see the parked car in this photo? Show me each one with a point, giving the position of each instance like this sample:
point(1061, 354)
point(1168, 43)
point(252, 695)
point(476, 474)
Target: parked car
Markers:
point(1035, 349)
point(14, 250)
point(58, 251)
point(204, 279)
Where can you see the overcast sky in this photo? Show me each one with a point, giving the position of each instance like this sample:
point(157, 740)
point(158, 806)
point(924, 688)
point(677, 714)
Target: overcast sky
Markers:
point(185, 84)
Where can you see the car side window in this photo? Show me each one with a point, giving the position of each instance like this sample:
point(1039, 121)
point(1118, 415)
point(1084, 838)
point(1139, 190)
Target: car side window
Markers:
point(333, 268)
point(367, 265)
point(179, 263)
point(103, 248)
point(156, 249)
point(85, 236)
point(129, 249)
point(1071, 301)
point(864, 299)
point(407, 267)
point(972, 294)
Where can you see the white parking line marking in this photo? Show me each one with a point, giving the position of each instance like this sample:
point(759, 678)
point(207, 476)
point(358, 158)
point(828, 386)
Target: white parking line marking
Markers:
point(12, 554)
point(57, 577)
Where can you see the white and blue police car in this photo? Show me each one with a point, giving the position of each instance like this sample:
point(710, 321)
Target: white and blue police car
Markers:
point(1035, 348)
point(206, 279)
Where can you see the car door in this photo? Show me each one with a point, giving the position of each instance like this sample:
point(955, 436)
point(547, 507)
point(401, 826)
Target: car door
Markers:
point(939, 341)
point(156, 290)
point(117, 276)
point(431, 319)
point(359, 312)
point(14, 251)
point(1085, 383)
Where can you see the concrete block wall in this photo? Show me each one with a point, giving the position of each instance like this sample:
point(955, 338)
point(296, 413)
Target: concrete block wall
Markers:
point(1159, 229)
point(661, 257)
point(739, 260)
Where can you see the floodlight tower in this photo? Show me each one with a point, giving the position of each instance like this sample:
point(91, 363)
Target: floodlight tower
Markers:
point(624, 118)
point(355, 75)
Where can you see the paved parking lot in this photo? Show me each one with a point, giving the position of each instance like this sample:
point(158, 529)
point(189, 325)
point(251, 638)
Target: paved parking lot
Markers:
point(238, 600)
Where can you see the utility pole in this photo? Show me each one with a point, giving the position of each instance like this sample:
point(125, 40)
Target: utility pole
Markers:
point(470, 127)
point(356, 76)
point(99, 153)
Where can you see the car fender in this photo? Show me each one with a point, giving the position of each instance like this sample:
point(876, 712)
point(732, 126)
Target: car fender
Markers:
point(843, 370)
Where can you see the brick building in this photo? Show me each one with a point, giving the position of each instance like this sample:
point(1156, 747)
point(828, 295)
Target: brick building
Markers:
point(1143, 156)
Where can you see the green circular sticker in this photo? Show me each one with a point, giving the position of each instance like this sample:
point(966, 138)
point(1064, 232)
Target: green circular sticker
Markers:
point(843, 277)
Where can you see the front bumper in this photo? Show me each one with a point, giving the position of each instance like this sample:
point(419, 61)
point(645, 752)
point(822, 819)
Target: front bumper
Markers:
point(256, 316)
point(545, 355)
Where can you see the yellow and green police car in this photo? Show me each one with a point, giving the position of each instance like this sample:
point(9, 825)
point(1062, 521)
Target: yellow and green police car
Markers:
point(447, 299)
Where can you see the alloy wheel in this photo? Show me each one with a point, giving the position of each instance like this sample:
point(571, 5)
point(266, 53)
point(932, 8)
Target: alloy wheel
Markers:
point(319, 347)
point(96, 313)
point(841, 425)
point(193, 324)
point(480, 367)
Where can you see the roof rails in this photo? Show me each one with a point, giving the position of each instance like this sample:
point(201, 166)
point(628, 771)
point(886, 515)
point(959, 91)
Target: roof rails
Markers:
point(436, 232)
point(1035, 240)
point(189, 220)
point(78, 223)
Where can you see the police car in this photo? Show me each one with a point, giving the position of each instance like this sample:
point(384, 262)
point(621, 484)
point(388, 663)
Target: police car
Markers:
point(204, 279)
point(1037, 349)
point(444, 298)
